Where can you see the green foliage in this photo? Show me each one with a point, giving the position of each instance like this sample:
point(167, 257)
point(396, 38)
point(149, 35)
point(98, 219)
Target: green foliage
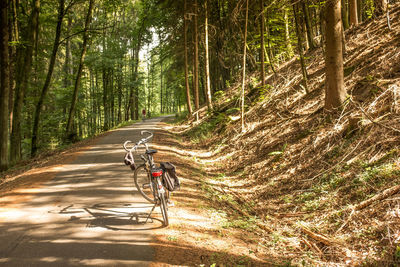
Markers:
point(206, 128)
point(264, 92)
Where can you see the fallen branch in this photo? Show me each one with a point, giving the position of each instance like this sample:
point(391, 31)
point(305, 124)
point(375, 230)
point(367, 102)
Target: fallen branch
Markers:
point(319, 237)
point(312, 246)
point(385, 194)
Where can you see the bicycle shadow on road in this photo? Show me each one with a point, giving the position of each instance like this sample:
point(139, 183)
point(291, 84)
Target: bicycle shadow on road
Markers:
point(113, 216)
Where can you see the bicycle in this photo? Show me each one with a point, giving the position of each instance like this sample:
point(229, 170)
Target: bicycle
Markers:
point(147, 177)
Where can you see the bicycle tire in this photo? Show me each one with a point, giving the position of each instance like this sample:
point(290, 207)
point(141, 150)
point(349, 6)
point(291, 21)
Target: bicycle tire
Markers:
point(164, 209)
point(142, 177)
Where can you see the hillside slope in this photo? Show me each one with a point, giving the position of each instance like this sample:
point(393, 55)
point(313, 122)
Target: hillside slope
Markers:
point(303, 174)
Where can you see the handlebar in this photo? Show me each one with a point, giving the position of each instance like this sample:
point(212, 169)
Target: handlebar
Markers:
point(141, 142)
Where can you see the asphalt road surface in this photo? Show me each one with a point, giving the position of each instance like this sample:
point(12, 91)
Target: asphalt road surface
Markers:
point(90, 214)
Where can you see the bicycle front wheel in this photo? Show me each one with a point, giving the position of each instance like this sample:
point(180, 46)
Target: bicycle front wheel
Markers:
point(164, 209)
point(142, 178)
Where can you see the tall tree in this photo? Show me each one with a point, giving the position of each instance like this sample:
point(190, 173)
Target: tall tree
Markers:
point(353, 12)
point(345, 15)
point(244, 66)
point(288, 43)
point(46, 84)
point(300, 47)
point(262, 45)
point(188, 101)
point(79, 72)
point(335, 92)
point(207, 63)
point(23, 70)
point(196, 59)
point(4, 85)
point(307, 20)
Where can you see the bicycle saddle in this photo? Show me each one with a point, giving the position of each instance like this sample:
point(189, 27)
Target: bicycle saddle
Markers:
point(151, 151)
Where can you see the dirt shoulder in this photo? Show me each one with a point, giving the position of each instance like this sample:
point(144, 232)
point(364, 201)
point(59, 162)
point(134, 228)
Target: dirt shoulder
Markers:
point(201, 231)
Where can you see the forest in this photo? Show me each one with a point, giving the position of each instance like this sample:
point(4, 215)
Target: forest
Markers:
point(84, 67)
point(286, 113)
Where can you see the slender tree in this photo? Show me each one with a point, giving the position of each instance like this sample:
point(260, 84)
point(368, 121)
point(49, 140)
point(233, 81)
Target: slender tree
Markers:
point(79, 72)
point(46, 84)
point(345, 15)
point(23, 70)
point(207, 88)
point(300, 48)
point(196, 59)
point(307, 20)
point(4, 85)
point(334, 83)
point(262, 45)
point(353, 12)
point(244, 66)
point(288, 43)
point(188, 101)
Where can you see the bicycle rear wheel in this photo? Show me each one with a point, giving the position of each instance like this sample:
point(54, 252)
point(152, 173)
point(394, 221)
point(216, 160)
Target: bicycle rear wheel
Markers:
point(142, 178)
point(164, 209)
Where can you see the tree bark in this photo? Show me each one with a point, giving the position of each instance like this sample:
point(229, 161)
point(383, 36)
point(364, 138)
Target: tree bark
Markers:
point(4, 85)
point(79, 72)
point(244, 67)
point(46, 85)
point(289, 47)
point(207, 88)
point(196, 59)
point(14, 37)
point(345, 15)
point(262, 45)
point(334, 84)
point(23, 71)
point(307, 20)
point(353, 12)
point(188, 101)
point(300, 48)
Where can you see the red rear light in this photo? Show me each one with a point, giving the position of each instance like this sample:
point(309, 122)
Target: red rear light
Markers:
point(156, 173)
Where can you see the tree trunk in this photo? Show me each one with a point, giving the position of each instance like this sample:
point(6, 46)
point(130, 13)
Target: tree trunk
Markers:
point(136, 94)
point(188, 102)
point(307, 20)
point(105, 99)
point(48, 79)
point(345, 15)
point(300, 48)
point(334, 86)
point(208, 89)
point(262, 60)
point(353, 12)
point(161, 87)
point(244, 67)
point(4, 85)
point(196, 59)
point(14, 36)
point(23, 70)
point(79, 72)
point(288, 43)
point(268, 52)
point(119, 86)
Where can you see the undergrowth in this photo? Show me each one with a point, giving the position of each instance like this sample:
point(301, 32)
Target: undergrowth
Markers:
point(298, 164)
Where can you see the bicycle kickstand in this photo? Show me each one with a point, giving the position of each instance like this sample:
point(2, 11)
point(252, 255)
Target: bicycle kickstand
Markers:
point(148, 217)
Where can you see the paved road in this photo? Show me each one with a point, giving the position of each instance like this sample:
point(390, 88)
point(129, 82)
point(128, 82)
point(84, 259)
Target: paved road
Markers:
point(87, 216)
